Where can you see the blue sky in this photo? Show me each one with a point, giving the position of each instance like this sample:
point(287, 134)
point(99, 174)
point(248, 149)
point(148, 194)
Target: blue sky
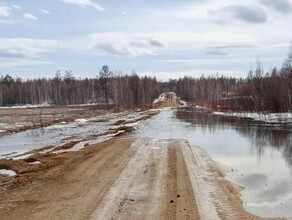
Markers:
point(166, 38)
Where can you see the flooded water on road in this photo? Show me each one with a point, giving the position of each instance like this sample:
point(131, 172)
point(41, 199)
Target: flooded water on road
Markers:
point(259, 156)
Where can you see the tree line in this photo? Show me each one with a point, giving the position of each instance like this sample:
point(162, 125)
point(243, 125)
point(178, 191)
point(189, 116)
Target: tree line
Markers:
point(259, 91)
point(108, 89)
point(270, 91)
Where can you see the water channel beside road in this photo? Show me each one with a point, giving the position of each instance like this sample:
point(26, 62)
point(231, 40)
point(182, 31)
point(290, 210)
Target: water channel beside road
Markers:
point(259, 156)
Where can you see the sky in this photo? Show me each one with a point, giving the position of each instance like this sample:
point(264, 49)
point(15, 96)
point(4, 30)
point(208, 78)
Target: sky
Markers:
point(165, 38)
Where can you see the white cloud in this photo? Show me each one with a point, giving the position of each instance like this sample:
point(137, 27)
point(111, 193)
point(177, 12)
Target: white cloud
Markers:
point(22, 63)
point(44, 11)
point(120, 50)
point(227, 44)
point(17, 7)
point(226, 11)
point(30, 16)
point(168, 42)
point(4, 11)
point(283, 6)
point(156, 42)
point(249, 14)
point(85, 3)
point(126, 44)
point(20, 53)
point(25, 48)
point(217, 52)
point(180, 32)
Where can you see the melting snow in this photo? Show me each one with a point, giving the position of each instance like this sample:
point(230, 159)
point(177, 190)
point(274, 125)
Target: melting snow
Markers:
point(159, 99)
point(6, 172)
point(81, 120)
point(35, 163)
point(183, 103)
point(285, 117)
point(25, 106)
point(21, 157)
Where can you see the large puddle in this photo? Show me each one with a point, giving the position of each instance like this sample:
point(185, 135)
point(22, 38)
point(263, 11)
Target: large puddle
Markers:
point(259, 156)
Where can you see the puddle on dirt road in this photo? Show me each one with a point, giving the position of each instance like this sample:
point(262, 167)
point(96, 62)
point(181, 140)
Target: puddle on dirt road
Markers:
point(259, 157)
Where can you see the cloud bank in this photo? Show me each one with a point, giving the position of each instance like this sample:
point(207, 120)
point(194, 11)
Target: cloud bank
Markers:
point(283, 6)
point(85, 3)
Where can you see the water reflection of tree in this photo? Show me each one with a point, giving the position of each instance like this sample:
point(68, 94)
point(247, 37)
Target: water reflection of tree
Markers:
point(262, 137)
point(212, 123)
point(287, 154)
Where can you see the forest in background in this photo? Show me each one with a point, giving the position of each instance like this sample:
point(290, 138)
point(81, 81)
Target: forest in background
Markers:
point(260, 91)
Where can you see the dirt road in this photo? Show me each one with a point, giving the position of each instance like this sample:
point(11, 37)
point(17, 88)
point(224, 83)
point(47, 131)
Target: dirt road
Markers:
point(127, 179)
point(169, 99)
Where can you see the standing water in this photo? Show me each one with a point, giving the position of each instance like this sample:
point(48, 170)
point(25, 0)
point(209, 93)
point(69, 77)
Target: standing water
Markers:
point(91, 130)
point(259, 156)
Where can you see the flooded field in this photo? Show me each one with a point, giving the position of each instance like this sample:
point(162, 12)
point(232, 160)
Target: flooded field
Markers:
point(258, 156)
point(85, 131)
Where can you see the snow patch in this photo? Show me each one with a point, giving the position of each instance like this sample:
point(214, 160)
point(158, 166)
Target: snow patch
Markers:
point(277, 118)
point(81, 120)
point(219, 113)
point(183, 103)
point(35, 163)
point(25, 106)
point(159, 99)
point(6, 172)
point(22, 157)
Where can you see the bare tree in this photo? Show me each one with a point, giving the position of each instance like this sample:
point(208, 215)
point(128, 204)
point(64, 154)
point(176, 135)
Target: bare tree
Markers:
point(105, 80)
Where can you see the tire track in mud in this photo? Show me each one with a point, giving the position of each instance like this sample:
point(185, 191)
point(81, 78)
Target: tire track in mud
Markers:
point(181, 203)
point(154, 185)
point(135, 193)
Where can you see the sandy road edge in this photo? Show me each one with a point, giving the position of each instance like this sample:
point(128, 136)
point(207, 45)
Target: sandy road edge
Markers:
point(217, 197)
